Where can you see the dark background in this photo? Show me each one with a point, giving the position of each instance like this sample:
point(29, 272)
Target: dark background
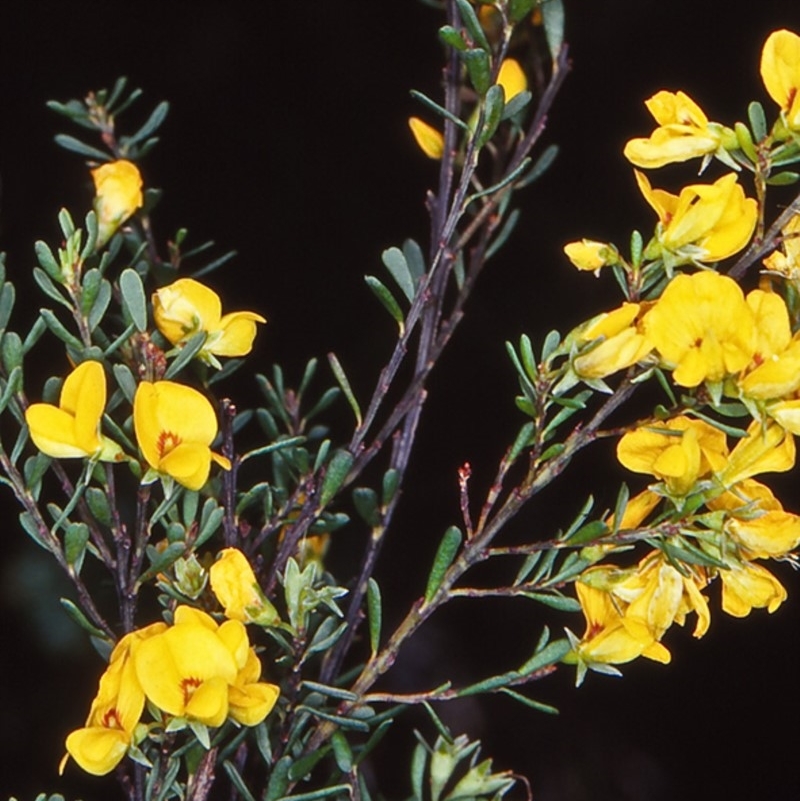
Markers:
point(287, 140)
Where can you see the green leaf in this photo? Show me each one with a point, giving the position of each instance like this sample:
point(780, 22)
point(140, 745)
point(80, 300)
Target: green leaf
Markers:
point(42, 538)
point(98, 504)
point(395, 262)
point(365, 500)
point(47, 286)
point(81, 148)
point(390, 484)
point(133, 298)
point(414, 259)
point(553, 19)
point(492, 114)
point(448, 548)
point(472, 24)
point(78, 616)
point(152, 124)
point(161, 560)
point(57, 328)
point(387, 299)
point(551, 342)
point(529, 702)
point(519, 9)
point(374, 614)
point(587, 533)
point(335, 475)
point(561, 602)
point(11, 351)
point(440, 110)
point(7, 296)
point(47, 260)
point(758, 120)
point(342, 753)
point(450, 36)
point(783, 178)
point(76, 537)
point(552, 652)
point(341, 378)
point(540, 166)
point(479, 68)
point(237, 781)
point(188, 352)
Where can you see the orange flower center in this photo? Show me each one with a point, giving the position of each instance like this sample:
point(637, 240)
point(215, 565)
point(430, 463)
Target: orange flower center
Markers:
point(111, 720)
point(167, 441)
point(189, 686)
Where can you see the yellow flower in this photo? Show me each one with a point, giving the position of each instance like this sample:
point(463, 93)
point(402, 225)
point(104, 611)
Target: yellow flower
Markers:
point(683, 132)
point(756, 520)
point(702, 327)
point(606, 639)
point(175, 425)
point(512, 78)
point(235, 585)
point(706, 222)
point(251, 700)
point(187, 307)
point(621, 345)
point(186, 670)
point(679, 452)
point(766, 449)
point(118, 193)
point(748, 586)
point(786, 262)
point(429, 140)
point(72, 429)
point(780, 71)
point(590, 255)
point(101, 744)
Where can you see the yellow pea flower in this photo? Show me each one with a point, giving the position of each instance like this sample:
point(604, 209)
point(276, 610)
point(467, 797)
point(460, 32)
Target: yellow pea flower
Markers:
point(251, 700)
point(702, 328)
point(72, 429)
point(683, 132)
point(756, 520)
point(606, 640)
point(118, 193)
point(512, 78)
point(622, 343)
point(429, 140)
point(679, 452)
point(101, 744)
point(235, 585)
point(786, 261)
point(766, 449)
point(187, 307)
point(175, 426)
point(187, 669)
point(780, 71)
point(705, 222)
point(749, 586)
point(590, 255)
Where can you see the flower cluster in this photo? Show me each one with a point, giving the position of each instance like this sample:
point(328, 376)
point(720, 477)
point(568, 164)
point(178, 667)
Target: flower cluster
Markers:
point(191, 672)
point(706, 513)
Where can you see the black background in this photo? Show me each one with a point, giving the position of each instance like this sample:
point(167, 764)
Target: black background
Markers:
point(287, 140)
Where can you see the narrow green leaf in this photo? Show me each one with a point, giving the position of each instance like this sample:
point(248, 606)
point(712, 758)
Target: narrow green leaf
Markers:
point(440, 110)
point(492, 114)
point(479, 69)
point(591, 531)
point(555, 601)
point(531, 560)
point(7, 297)
point(341, 378)
point(549, 655)
point(342, 753)
point(386, 298)
point(278, 779)
point(529, 702)
point(450, 36)
point(472, 24)
point(551, 342)
point(57, 328)
point(540, 166)
point(100, 305)
point(237, 781)
point(81, 619)
point(553, 19)
point(414, 259)
point(390, 484)
point(41, 538)
point(395, 262)
point(152, 124)
point(448, 548)
point(365, 499)
point(81, 148)
point(11, 351)
point(783, 178)
point(758, 120)
point(76, 537)
point(133, 298)
point(47, 260)
point(188, 352)
point(516, 104)
point(345, 723)
point(374, 614)
point(324, 793)
point(331, 692)
point(335, 475)
point(45, 283)
point(161, 561)
point(623, 496)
